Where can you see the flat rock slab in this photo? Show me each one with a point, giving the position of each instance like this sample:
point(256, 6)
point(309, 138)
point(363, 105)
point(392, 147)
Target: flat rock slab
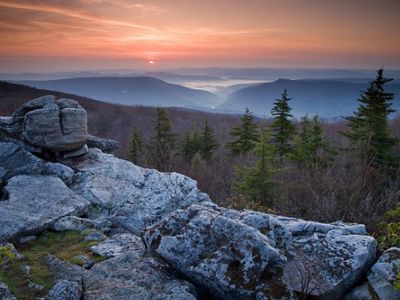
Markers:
point(244, 255)
point(118, 244)
point(130, 275)
point(35, 203)
point(140, 196)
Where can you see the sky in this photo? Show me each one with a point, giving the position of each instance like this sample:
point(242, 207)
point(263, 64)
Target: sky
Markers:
point(70, 35)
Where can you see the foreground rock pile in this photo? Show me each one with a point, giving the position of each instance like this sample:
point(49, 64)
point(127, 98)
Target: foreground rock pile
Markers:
point(162, 238)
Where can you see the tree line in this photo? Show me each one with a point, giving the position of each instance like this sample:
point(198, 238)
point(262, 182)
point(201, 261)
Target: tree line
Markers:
point(269, 163)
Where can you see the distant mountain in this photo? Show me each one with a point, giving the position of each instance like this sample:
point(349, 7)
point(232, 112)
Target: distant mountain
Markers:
point(131, 91)
point(327, 98)
point(171, 77)
point(117, 121)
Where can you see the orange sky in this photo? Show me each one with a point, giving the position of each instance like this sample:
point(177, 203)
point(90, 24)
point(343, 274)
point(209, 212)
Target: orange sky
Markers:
point(44, 35)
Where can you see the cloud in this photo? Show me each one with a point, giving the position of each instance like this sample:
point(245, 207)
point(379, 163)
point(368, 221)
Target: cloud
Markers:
point(60, 10)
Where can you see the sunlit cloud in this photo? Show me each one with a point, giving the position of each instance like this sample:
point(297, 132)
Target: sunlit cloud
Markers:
point(202, 33)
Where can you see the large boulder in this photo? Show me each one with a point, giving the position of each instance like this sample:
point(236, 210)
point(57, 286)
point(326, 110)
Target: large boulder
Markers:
point(34, 203)
point(48, 124)
point(244, 255)
point(380, 280)
point(136, 195)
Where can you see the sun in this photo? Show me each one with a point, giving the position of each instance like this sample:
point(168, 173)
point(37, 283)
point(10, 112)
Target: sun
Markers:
point(151, 62)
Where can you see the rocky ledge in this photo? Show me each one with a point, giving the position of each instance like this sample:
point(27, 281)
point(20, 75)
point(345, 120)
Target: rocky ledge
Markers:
point(159, 236)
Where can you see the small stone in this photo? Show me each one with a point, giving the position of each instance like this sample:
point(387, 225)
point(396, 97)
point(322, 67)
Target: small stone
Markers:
point(95, 236)
point(35, 286)
point(25, 269)
point(65, 290)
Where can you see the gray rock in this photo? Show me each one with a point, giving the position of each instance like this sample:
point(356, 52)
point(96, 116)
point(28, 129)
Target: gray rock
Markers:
point(65, 290)
point(141, 196)
point(105, 145)
point(45, 123)
point(119, 244)
point(5, 293)
point(384, 272)
point(361, 292)
point(63, 270)
point(74, 223)
point(132, 276)
point(35, 203)
point(242, 255)
point(95, 236)
point(56, 128)
point(15, 160)
point(35, 286)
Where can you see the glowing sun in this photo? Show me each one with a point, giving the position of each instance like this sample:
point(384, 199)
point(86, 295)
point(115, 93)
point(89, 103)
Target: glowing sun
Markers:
point(151, 62)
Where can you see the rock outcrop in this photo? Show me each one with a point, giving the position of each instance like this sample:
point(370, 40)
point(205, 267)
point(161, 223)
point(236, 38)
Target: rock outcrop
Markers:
point(192, 246)
point(138, 196)
point(243, 255)
point(47, 124)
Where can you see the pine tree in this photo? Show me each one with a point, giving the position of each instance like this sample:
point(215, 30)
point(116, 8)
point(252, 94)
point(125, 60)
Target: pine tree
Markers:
point(282, 127)
point(162, 143)
point(135, 147)
point(208, 142)
point(311, 148)
point(246, 135)
point(191, 145)
point(368, 127)
point(255, 182)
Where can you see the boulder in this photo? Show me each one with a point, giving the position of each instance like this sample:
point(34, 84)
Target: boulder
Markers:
point(105, 145)
point(65, 290)
point(244, 255)
point(137, 195)
point(15, 160)
point(384, 272)
point(36, 202)
point(49, 124)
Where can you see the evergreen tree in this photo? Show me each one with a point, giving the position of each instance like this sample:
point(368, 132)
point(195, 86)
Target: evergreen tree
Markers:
point(311, 148)
point(282, 127)
point(191, 145)
point(255, 182)
point(162, 143)
point(208, 142)
point(246, 135)
point(368, 127)
point(135, 147)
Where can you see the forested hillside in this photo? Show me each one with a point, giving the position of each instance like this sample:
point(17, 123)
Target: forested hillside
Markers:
point(312, 172)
